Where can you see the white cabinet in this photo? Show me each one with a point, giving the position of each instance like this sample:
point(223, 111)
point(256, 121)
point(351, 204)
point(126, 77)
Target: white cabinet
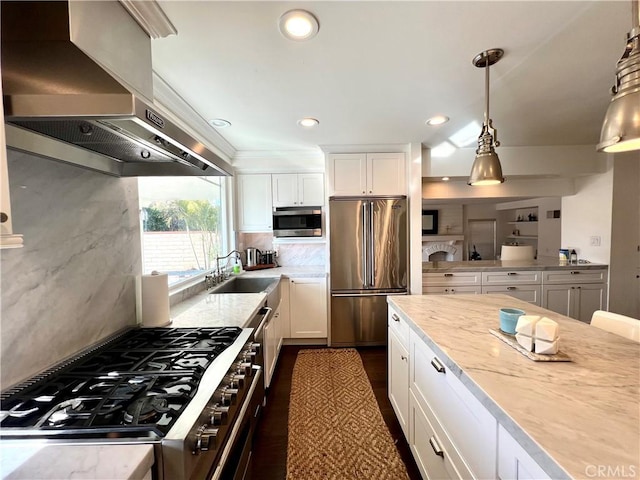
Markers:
point(522, 284)
point(254, 203)
point(296, 189)
point(308, 307)
point(575, 293)
point(451, 283)
point(270, 353)
point(577, 301)
point(398, 369)
point(514, 463)
point(357, 174)
point(432, 458)
point(464, 427)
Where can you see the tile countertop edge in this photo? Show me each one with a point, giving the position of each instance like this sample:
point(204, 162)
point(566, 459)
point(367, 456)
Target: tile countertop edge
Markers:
point(497, 265)
point(557, 462)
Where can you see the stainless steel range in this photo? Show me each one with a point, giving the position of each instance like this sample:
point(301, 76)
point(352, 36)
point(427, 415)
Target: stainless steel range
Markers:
point(194, 393)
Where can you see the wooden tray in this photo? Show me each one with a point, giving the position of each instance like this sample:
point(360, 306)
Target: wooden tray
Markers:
point(259, 267)
point(536, 357)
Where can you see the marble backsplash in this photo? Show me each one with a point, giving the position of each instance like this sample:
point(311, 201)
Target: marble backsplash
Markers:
point(72, 284)
point(289, 254)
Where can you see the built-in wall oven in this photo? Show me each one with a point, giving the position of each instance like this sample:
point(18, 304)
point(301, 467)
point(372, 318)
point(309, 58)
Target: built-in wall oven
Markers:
point(297, 222)
point(193, 393)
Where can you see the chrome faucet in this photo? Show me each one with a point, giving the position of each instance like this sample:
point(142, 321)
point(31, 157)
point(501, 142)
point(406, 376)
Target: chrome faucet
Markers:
point(221, 273)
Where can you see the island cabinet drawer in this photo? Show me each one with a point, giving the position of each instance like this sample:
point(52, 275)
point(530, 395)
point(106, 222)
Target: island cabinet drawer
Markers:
point(463, 420)
point(513, 460)
point(442, 290)
point(433, 456)
point(512, 277)
point(574, 276)
point(528, 293)
point(452, 278)
point(399, 326)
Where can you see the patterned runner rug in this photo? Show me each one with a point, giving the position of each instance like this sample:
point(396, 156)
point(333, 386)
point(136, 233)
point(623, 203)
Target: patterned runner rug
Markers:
point(336, 430)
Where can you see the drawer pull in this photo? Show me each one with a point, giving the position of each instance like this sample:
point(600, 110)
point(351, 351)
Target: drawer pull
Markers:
point(511, 288)
point(575, 273)
point(395, 317)
point(436, 447)
point(448, 274)
point(511, 273)
point(437, 365)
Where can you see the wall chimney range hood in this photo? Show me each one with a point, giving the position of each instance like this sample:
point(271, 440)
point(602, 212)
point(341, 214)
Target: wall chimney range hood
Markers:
point(60, 62)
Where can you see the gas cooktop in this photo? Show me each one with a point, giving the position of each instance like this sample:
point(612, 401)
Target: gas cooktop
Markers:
point(135, 385)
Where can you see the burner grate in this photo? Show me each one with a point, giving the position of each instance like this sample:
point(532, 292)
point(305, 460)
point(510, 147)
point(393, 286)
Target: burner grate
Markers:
point(142, 379)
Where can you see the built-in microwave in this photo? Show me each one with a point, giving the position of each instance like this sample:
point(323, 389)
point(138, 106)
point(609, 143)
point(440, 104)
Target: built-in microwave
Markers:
point(297, 221)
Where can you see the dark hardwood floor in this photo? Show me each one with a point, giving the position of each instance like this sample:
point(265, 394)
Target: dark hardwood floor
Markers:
point(270, 440)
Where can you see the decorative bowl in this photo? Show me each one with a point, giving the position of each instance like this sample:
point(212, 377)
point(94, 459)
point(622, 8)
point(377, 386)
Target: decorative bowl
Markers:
point(509, 319)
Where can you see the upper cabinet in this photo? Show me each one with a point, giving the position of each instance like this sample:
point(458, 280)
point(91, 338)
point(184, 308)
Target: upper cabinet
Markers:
point(297, 189)
point(359, 174)
point(254, 203)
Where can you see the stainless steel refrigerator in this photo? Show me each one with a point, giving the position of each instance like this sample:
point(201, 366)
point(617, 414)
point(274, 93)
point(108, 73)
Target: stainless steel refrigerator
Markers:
point(368, 256)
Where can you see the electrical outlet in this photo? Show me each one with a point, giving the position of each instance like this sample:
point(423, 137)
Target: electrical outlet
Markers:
point(595, 241)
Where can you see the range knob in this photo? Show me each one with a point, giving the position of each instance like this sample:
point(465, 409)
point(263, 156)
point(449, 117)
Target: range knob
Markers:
point(244, 368)
point(205, 439)
point(255, 347)
point(219, 415)
point(248, 356)
point(228, 395)
point(237, 381)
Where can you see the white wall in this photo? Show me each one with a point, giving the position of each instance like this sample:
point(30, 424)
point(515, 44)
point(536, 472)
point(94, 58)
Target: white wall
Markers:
point(73, 282)
point(624, 286)
point(587, 214)
point(450, 218)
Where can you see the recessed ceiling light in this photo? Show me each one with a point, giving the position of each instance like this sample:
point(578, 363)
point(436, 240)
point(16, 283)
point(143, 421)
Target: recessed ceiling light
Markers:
point(437, 120)
point(308, 122)
point(445, 179)
point(219, 123)
point(442, 150)
point(298, 25)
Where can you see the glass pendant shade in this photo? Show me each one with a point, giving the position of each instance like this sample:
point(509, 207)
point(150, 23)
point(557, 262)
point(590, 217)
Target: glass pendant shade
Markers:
point(621, 126)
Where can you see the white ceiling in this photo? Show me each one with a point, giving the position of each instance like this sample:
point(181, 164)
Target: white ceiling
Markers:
point(377, 70)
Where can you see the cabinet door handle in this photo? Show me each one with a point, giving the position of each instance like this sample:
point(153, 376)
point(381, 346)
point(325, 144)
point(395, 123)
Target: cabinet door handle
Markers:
point(436, 447)
point(402, 357)
point(448, 274)
point(511, 273)
point(511, 288)
point(395, 317)
point(437, 365)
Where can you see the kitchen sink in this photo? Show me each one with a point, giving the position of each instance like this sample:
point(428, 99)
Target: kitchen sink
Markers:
point(270, 286)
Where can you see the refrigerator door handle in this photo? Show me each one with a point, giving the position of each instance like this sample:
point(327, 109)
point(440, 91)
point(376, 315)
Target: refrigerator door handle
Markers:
point(372, 260)
point(364, 245)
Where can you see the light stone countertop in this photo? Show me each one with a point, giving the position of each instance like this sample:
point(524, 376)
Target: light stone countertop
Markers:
point(232, 309)
point(81, 462)
point(46, 461)
point(493, 265)
point(569, 416)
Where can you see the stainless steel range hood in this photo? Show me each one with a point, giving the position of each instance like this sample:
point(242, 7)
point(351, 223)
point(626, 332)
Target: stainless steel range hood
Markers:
point(54, 88)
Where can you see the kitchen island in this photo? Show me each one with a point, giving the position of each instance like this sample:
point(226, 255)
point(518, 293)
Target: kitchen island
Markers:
point(577, 419)
point(506, 265)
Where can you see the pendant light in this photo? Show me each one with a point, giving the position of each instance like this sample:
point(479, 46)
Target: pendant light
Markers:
point(486, 168)
point(621, 126)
